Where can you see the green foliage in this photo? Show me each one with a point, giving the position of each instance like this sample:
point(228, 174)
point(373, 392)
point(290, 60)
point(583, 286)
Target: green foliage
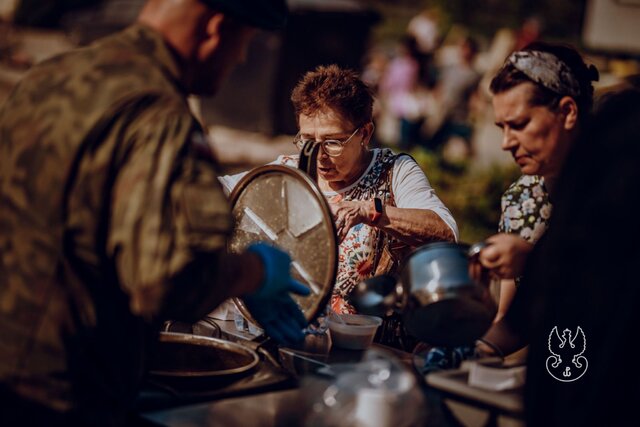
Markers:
point(562, 20)
point(473, 196)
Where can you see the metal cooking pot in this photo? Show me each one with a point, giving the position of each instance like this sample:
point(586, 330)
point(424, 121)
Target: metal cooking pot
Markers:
point(184, 360)
point(440, 302)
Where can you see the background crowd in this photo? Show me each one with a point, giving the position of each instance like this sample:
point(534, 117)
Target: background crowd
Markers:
point(434, 84)
point(429, 61)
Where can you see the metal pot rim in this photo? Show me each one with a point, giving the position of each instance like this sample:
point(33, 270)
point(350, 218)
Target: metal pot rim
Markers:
point(197, 340)
point(433, 245)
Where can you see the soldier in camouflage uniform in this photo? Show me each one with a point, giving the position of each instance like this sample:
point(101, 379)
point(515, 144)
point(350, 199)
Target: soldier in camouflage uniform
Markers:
point(111, 216)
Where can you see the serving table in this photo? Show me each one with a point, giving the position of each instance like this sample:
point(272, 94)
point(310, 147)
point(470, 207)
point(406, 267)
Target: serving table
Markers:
point(273, 395)
point(453, 384)
point(269, 396)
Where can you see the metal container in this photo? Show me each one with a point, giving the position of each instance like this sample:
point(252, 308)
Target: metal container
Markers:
point(440, 302)
point(184, 360)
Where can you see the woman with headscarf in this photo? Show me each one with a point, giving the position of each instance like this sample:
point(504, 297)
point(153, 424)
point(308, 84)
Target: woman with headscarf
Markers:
point(581, 281)
point(542, 97)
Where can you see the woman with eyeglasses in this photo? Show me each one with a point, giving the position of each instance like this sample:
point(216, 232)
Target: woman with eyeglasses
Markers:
point(382, 202)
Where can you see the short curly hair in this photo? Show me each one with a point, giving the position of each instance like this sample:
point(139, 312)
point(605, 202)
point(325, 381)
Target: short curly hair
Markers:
point(333, 88)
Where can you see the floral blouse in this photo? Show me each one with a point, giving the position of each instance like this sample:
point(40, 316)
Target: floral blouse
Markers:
point(526, 208)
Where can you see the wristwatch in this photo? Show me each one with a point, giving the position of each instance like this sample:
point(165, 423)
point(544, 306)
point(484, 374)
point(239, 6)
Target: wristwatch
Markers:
point(377, 213)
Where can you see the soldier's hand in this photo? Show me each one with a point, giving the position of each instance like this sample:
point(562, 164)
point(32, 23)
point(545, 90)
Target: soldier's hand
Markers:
point(271, 305)
point(277, 279)
point(280, 318)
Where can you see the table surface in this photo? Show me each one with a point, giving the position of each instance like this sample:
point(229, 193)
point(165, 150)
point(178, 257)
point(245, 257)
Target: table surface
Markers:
point(454, 383)
point(273, 406)
point(271, 396)
point(266, 409)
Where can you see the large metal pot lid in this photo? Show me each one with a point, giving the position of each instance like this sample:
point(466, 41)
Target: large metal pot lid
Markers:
point(283, 206)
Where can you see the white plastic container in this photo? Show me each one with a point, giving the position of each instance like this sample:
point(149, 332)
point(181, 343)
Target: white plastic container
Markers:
point(355, 332)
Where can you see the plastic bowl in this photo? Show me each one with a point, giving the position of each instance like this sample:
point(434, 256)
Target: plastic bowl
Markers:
point(357, 331)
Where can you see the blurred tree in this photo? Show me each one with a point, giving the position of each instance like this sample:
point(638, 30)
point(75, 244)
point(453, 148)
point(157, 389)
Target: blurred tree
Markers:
point(473, 196)
point(562, 20)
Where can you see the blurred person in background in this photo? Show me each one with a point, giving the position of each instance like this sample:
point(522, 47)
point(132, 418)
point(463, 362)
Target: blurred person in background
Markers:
point(542, 98)
point(455, 86)
point(375, 65)
point(528, 32)
point(112, 218)
point(425, 29)
point(382, 202)
point(402, 95)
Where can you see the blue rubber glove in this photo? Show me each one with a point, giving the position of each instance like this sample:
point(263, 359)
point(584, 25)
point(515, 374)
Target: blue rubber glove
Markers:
point(277, 279)
point(280, 318)
point(271, 305)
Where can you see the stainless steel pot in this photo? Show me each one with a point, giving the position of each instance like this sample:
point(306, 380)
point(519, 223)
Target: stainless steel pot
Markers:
point(440, 302)
point(184, 360)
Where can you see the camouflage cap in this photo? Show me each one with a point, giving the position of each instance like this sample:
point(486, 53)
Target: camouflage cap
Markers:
point(265, 14)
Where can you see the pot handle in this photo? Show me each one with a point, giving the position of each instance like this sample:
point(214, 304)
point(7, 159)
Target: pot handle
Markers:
point(379, 295)
point(476, 248)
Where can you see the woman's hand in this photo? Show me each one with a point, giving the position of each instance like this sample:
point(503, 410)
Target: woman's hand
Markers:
point(350, 213)
point(506, 255)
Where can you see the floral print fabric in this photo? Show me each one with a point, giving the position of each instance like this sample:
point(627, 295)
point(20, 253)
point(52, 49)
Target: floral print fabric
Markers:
point(526, 208)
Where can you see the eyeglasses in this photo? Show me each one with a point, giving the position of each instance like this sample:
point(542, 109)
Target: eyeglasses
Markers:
point(333, 147)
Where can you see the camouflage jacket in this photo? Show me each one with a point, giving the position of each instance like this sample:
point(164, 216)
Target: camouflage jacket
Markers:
point(109, 207)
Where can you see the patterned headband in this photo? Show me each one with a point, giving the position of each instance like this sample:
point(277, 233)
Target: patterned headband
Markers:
point(546, 69)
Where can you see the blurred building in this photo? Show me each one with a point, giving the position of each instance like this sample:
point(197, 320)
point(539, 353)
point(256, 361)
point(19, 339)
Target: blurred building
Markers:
point(256, 97)
point(613, 26)
point(319, 32)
